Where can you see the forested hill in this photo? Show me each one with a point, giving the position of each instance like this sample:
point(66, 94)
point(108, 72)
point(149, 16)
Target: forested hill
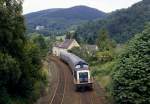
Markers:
point(62, 19)
point(121, 24)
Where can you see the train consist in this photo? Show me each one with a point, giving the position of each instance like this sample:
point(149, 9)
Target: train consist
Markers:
point(79, 69)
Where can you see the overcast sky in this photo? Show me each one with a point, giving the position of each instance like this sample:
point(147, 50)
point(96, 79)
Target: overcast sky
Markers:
point(103, 5)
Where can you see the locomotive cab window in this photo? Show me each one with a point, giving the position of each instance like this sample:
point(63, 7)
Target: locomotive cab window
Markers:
point(83, 76)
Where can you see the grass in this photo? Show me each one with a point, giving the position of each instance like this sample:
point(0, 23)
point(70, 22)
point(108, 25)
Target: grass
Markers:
point(102, 69)
point(103, 73)
point(104, 81)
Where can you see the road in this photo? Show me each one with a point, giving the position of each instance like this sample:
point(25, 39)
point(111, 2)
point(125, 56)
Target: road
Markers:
point(62, 91)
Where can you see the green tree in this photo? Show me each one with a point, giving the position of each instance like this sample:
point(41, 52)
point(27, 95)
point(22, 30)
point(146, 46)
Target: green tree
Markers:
point(131, 79)
point(70, 35)
point(20, 61)
point(122, 24)
point(10, 74)
point(104, 42)
point(11, 27)
point(40, 41)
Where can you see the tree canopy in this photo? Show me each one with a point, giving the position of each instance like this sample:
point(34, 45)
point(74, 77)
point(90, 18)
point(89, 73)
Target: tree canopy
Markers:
point(122, 24)
point(132, 72)
point(104, 42)
point(20, 61)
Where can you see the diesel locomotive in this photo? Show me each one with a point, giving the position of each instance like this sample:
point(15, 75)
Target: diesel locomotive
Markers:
point(79, 68)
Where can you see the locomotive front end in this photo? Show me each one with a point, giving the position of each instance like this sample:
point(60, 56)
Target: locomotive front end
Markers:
point(84, 79)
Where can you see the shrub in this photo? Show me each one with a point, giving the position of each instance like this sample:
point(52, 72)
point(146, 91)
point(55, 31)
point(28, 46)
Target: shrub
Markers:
point(9, 77)
point(131, 80)
point(104, 56)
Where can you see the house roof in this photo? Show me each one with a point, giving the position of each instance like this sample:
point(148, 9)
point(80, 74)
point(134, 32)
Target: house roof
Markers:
point(65, 44)
point(91, 47)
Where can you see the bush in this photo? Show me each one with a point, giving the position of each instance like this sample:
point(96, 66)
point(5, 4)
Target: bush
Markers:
point(9, 77)
point(20, 61)
point(131, 80)
point(104, 56)
point(4, 97)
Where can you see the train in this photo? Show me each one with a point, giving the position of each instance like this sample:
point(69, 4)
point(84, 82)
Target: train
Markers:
point(80, 70)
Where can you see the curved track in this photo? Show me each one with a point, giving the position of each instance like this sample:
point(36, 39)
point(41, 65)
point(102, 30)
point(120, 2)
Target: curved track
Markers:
point(64, 92)
point(59, 90)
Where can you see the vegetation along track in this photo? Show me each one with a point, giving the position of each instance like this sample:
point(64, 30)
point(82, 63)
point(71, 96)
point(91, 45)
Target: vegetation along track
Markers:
point(64, 92)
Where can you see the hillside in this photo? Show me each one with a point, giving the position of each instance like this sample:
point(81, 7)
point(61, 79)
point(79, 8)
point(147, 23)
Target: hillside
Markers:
point(121, 24)
point(60, 20)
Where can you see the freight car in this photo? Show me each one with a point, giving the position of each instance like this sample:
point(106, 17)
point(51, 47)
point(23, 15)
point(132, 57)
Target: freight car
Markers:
point(79, 68)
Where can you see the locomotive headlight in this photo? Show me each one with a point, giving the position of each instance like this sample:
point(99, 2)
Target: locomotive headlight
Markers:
point(77, 66)
point(85, 66)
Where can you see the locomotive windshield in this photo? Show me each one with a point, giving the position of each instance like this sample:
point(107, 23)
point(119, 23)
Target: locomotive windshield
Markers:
point(83, 76)
point(81, 65)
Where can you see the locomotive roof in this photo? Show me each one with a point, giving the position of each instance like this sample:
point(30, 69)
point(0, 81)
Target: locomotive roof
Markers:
point(75, 59)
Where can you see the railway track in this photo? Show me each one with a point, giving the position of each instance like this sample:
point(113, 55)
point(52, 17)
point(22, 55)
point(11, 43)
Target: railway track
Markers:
point(64, 92)
point(59, 92)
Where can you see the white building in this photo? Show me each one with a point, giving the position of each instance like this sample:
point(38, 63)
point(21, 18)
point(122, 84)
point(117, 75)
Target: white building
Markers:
point(90, 49)
point(39, 27)
point(66, 45)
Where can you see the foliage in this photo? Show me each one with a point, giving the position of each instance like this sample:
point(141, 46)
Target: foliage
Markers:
point(87, 33)
point(105, 56)
point(9, 77)
point(103, 69)
point(132, 72)
point(51, 42)
point(102, 73)
point(69, 35)
point(20, 60)
point(41, 43)
point(11, 27)
point(104, 42)
point(39, 40)
point(121, 24)
point(44, 43)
